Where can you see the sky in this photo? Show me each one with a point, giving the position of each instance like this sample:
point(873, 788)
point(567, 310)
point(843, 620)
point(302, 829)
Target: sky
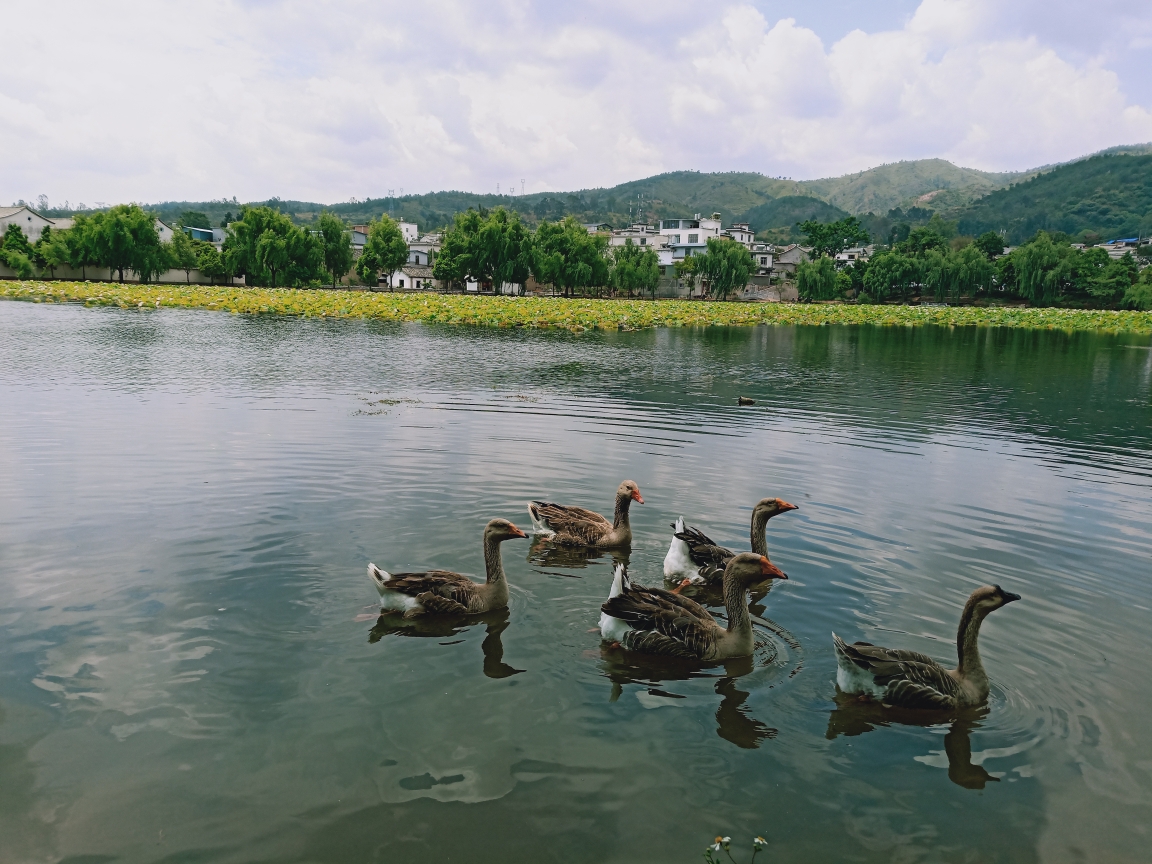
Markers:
point(328, 101)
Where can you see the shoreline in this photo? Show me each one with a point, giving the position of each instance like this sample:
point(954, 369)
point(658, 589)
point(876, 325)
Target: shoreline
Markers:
point(575, 314)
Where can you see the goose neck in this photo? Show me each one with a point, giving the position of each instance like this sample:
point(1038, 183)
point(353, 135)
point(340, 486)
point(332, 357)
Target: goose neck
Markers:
point(967, 651)
point(620, 517)
point(759, 534)
point(493, 564)
point(736, 604)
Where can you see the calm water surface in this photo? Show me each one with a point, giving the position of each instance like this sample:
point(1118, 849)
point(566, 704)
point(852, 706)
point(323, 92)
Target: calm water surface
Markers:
point(191, 668)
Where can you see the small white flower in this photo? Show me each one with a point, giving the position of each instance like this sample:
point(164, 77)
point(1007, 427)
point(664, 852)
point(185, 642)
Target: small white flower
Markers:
point(759, 842)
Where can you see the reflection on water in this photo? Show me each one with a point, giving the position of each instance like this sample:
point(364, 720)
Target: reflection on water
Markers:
point(854, 716)
point(446, 626)
point(545, 553)
point(188, 502)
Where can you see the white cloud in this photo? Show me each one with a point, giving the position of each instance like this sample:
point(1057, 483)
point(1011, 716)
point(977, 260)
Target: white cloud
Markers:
point(323, 101)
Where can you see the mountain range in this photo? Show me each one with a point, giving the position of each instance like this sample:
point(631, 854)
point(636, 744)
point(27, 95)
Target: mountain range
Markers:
point(1107, 193)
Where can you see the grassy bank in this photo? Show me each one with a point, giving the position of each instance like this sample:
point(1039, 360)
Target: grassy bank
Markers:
point(552, 312)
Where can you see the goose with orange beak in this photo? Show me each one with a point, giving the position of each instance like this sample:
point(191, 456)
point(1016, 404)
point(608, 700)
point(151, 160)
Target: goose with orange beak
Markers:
point(575, 526)
point(443, 592)
point(656, 621)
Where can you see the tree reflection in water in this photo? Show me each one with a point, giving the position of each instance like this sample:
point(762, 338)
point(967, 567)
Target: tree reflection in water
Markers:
point(855, 717)
point(734, 722)
point(444, 626)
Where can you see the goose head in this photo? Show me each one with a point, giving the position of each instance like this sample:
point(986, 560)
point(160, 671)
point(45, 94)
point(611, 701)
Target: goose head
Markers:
point(748, 568)
point(629, 489)
point(499, 530)
point(766, 508)
point(989, 598)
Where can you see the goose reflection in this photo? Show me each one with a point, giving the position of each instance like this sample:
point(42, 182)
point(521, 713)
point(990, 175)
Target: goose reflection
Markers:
point(853, 717)
point(734, 721)
point(546, 553)
point(444, 627)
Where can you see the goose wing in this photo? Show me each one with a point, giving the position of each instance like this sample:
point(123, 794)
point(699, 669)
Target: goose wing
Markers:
point(705, 554)
point(437, 590)
point(663, 622)
point(574, 522)
point(912, 679)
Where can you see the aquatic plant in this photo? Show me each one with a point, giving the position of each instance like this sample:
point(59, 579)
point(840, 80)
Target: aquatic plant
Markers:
point(554, 312)
point(724, 844)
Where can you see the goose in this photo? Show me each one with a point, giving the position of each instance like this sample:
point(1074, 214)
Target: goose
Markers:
point(575, 526)
point(908, 679)
point(655, 621)
point(442, 592)
point(692, 556)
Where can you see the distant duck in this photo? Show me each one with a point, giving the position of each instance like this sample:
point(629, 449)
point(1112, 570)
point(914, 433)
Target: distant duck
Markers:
point(575, 526)
point(693, 556)
point(908, 679)
point(744, 400)
point(442, 592)
point(655, 621)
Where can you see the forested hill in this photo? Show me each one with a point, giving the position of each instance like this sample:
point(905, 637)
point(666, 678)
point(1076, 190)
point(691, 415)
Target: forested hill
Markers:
point(1107, 195)
point(920, 182)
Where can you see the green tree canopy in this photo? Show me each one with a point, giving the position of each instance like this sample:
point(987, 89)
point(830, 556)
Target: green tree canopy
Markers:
point(920, 240)
point(991, 244)
point(816, 280)
point(182, 254)
point(125, 238)
point(890, 273)
point(194, 219)
point(726, 266)
point(635, 269)
point(832, 238)
point(385, 251)
point(488, 246)
point(570, 258)
point(267, 248)
point(337, 243)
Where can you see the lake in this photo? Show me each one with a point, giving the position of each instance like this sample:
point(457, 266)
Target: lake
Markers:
point(193, 669)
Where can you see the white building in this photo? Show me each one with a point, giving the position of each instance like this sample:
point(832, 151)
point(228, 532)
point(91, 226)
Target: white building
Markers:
point(689, 236)
point(742, 234)
point(851, 256)
point(640, 234)
point(423, 252)
point(30, 222)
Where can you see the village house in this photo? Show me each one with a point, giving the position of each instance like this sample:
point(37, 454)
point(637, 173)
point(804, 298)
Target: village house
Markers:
point(689, 236)
point(786, 259)
point(30, 222)
point(851, 256)
point(641, 234)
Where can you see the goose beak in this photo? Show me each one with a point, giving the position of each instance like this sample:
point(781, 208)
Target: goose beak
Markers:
point(771, 570)
point(639, 499)
point(516, 532)
point(785, 507)
point(1009, 597)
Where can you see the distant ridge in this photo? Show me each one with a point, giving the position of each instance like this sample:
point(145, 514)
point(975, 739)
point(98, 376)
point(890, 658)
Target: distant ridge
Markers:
point(768, 203)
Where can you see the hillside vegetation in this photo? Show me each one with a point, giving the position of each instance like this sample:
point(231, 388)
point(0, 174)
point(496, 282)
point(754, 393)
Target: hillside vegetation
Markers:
point(878, 190)
point(1095, 193)
point(1107, 195)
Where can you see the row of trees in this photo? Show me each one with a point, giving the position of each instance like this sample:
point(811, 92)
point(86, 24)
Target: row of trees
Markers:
point(1045, 271)
point(496, 247)
point(263, 245)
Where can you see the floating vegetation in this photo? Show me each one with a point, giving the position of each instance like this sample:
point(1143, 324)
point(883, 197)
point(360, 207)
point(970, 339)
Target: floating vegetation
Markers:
point(576, 315)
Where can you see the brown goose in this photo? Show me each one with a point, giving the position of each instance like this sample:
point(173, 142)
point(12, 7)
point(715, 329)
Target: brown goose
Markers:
point(694, 557)
point(908, 679)
point(442, 592)
point(575, 526)
point(655, 621)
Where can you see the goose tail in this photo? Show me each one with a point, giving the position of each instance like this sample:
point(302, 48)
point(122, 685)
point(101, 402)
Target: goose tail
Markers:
point(678, 562)
point(539, 524)
point(620, 582)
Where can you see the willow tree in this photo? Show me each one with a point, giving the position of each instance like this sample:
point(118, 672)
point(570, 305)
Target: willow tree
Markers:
point(385, 251)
